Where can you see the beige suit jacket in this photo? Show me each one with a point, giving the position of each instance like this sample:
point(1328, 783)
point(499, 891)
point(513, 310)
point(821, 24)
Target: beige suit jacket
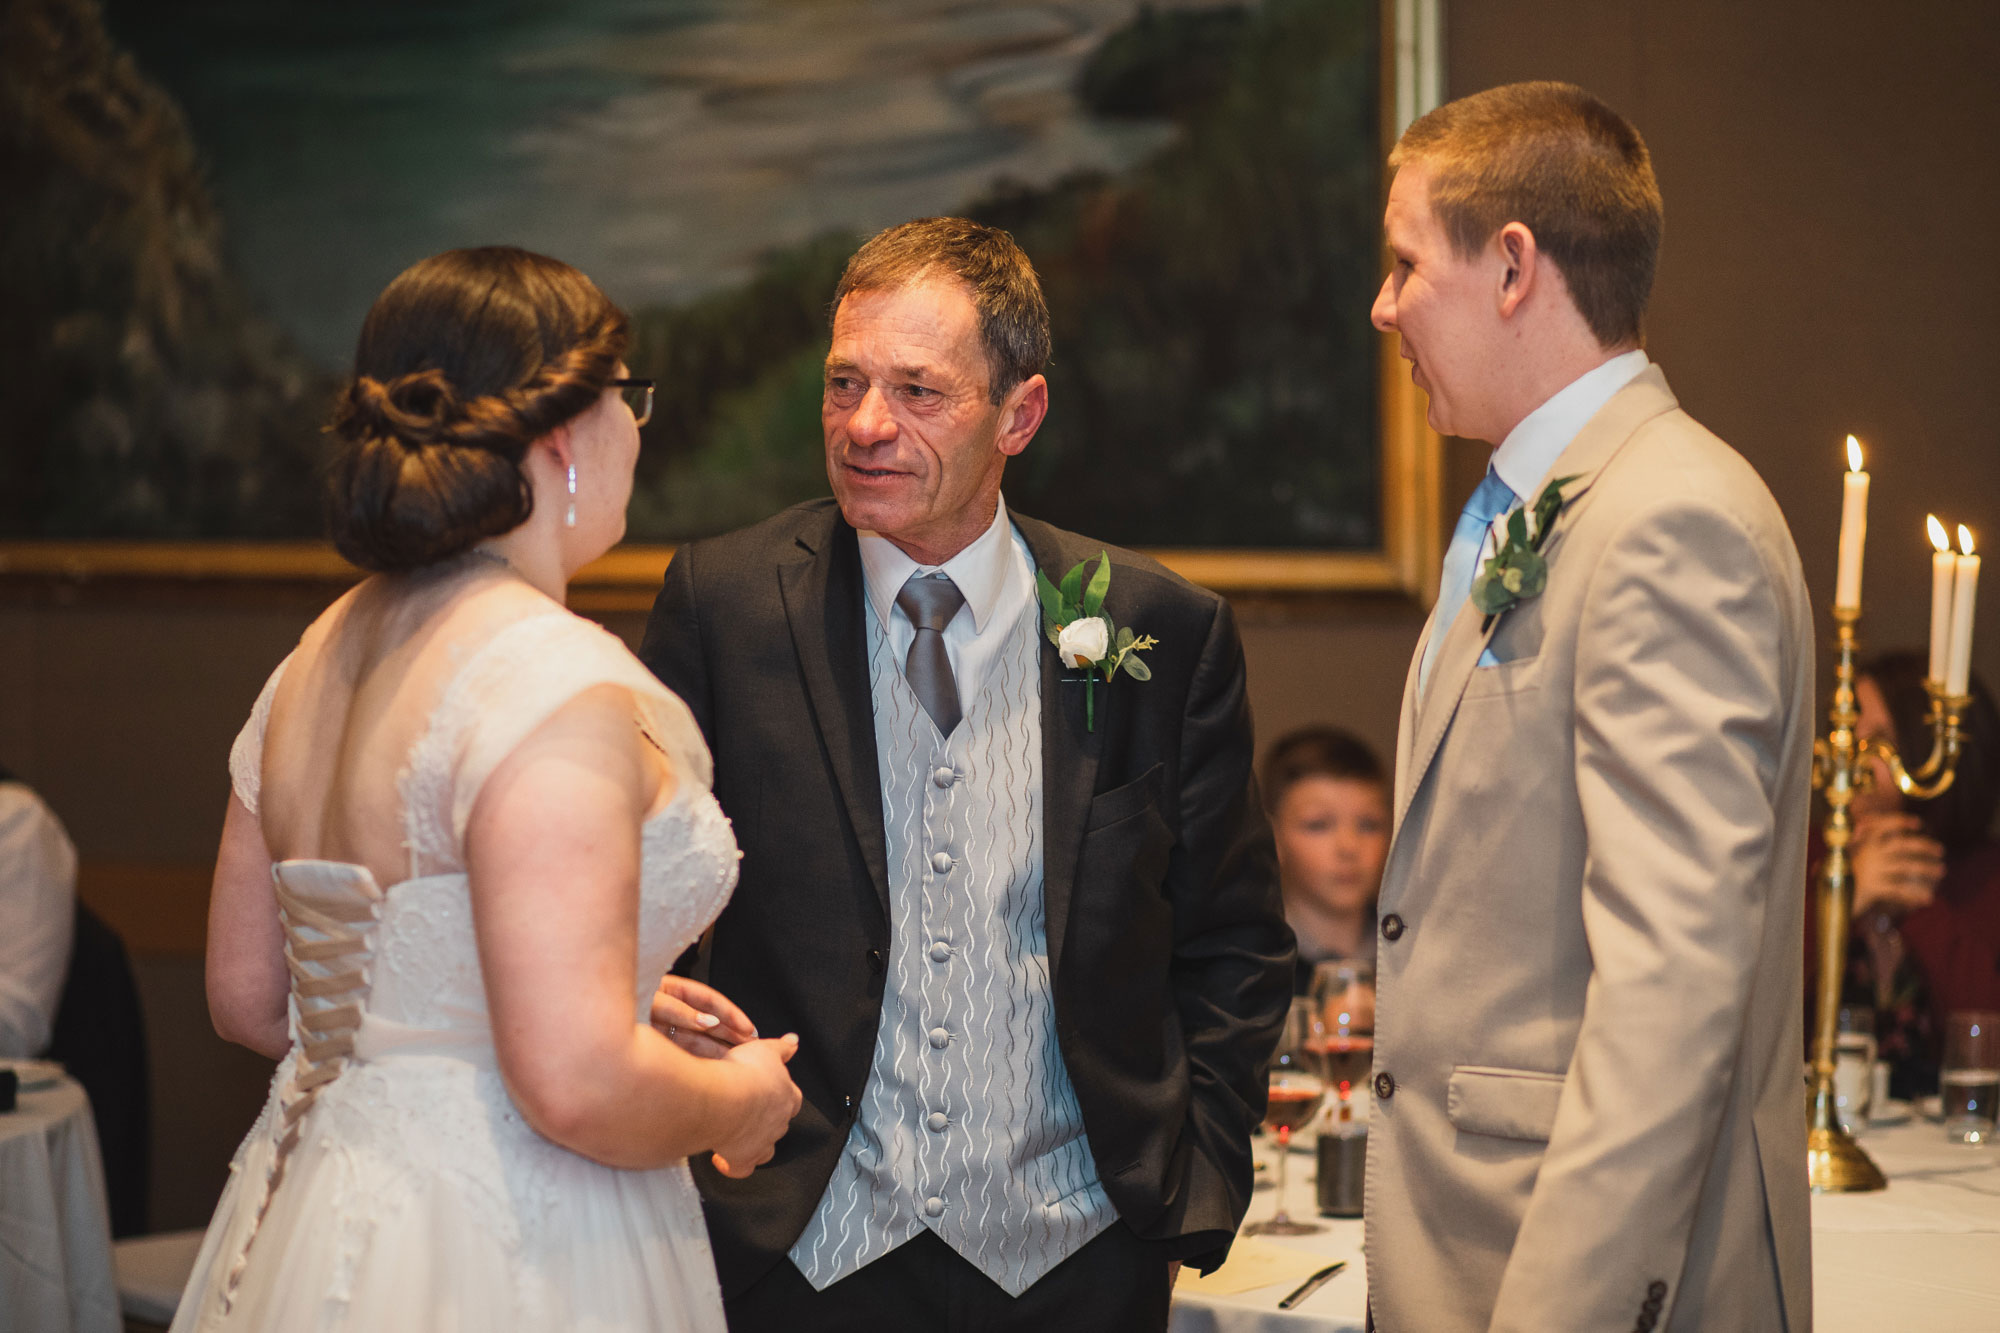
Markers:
point(1589, 1107)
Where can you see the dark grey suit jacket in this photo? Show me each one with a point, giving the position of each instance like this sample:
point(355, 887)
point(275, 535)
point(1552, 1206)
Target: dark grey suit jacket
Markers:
point(1171, 960)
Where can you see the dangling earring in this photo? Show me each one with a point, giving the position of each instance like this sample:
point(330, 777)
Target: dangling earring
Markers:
point(569, 517)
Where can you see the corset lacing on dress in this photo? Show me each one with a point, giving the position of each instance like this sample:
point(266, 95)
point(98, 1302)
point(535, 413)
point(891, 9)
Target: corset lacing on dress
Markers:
point(329, 910)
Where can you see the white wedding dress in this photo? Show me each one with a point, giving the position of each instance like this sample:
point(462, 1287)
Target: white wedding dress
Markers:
point(391, 1183)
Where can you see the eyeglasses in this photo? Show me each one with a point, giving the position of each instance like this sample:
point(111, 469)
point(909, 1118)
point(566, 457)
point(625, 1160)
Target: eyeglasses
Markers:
point(638, 395)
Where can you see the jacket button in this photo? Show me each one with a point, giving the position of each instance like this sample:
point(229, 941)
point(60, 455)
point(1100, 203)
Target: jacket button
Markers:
point(1385, 1086)
point(876, 963)
point(1657, 1291)
point(1392, 928)
point(847, 1103)
point(1647, 1319)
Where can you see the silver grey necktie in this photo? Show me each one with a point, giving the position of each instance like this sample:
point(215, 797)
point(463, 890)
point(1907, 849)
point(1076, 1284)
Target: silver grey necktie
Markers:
point(930, 603)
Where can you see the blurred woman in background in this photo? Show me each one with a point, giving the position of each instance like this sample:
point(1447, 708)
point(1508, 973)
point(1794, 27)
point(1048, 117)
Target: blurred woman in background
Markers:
point(1926, 934)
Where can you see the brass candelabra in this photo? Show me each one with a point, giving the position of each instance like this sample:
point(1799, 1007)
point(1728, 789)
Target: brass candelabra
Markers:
point(1836, 1163)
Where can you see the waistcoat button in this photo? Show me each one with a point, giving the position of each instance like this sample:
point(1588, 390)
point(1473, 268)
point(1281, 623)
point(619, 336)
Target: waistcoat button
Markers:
point(941, 862)
point(940, 952)
point(934, 1206)
point(1392, 928)
point(938, 1121)
point(1385, 1085)
point(944, 777)
point(940, 1039)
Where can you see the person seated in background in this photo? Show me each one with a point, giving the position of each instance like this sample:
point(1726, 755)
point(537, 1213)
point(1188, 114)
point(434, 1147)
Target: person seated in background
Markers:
point(37, 917)
point(1926, 935)
point(1328, 799)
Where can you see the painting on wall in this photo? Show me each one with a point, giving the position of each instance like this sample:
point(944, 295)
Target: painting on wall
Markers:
point(214, 190)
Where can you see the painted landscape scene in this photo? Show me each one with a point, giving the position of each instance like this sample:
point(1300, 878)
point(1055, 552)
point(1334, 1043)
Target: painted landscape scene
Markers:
point(205, 195)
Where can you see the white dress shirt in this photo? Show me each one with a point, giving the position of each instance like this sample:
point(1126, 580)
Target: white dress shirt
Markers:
point(37, 919)
point(995, 573)
point(1529, 453)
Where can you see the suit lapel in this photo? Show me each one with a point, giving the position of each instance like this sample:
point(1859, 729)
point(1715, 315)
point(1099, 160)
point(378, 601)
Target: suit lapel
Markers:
point(1069, 753)
point(1646, 397)
point(824, 602)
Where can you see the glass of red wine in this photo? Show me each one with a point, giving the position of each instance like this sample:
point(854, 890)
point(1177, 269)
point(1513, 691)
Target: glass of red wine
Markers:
point(1298, 1084)
point(1344, 992)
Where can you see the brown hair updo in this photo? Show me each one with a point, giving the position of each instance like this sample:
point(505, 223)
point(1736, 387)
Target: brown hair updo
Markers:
point(465, 360)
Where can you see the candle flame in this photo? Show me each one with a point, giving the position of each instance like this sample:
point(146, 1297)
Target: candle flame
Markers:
point(1853, 454)
point(1964, 540)
point(1939, 542)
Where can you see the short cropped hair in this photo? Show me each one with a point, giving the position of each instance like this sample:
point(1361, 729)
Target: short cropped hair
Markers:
point(1568, 167)
point(1317, 752)
point(1013, 317)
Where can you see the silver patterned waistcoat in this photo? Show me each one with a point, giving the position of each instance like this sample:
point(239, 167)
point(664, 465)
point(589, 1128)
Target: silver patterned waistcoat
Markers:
point(969, 1124)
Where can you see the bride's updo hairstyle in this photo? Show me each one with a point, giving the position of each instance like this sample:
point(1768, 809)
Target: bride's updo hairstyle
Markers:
point(465, 360)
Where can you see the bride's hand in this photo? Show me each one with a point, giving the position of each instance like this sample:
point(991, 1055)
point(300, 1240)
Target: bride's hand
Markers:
point(698, 1018)
point(774, 1100)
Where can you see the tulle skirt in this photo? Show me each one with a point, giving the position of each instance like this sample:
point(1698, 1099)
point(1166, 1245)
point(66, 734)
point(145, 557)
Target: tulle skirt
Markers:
point(417, 1199)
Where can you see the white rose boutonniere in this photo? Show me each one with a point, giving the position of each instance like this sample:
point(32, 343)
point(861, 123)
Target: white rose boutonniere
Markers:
point(1082, 642)
point(1085, 638)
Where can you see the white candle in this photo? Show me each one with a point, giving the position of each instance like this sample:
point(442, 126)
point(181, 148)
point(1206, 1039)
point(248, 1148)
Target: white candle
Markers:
point(1944, 567)
point(1959, 676)
point(1853, 531)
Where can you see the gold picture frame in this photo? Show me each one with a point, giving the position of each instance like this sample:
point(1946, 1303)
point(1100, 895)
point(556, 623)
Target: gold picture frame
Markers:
point(627, 578)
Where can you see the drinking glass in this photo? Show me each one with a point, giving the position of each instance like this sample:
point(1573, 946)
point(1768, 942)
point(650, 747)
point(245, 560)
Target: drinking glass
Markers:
point(1343, 993)
point(1969, 1080)
point(1297, 1085)
point(1854, 1066)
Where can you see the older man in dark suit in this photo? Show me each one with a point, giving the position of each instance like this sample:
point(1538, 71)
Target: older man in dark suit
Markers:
point(1031, 940)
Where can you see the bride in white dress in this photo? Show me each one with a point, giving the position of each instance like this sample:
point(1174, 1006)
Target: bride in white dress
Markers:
point(469, 832)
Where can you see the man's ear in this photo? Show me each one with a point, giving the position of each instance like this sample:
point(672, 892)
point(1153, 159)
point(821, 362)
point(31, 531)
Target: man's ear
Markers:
point(1021, 414)
point(1520, 264)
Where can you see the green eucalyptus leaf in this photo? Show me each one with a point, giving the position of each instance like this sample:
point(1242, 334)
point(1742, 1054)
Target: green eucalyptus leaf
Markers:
point(1534, 578)
point(1517, 528)
point(1124, 639)
point(1072, 587)
point(1100, 583)
point(1135, 668)
point(1051, 599)
point(1489, 595)
point(1510, 579)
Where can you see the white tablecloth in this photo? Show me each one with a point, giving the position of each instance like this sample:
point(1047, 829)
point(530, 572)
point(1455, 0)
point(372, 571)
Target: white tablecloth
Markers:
point(1922, 1254)
point(55, 1230)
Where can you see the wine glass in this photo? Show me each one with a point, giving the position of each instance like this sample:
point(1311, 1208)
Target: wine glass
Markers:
point(1343, 992)
point(1298, 1083)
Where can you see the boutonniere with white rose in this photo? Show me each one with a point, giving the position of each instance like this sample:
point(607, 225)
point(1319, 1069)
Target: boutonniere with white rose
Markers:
point(1518, 570)
point(1073, 619)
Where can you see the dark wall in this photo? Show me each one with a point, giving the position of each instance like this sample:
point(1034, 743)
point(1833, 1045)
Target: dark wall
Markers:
point(1832, 185)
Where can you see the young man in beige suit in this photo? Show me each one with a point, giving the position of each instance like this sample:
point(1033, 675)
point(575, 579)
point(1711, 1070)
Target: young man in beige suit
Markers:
point(1589, 1112)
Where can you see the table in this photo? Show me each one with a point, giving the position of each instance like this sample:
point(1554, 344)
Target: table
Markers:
point(1924, 1253)
point(55, 1228)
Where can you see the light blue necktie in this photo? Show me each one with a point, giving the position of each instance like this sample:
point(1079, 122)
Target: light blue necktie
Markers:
point(1461, 560)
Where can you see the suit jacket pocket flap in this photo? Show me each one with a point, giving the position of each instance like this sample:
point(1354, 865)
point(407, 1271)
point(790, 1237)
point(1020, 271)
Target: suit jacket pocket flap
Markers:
point(1123, 802)
point(1506, 1103)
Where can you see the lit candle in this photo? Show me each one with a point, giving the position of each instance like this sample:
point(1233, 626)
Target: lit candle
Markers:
point(1959, 675)
point(1853, 531)
point(1943, 567)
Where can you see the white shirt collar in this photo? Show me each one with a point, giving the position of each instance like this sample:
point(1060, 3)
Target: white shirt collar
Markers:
point(980, 570)
point(1530, 450)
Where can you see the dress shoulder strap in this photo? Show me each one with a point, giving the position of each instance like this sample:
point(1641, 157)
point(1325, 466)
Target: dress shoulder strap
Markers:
point(246, 755)
point(516, 681)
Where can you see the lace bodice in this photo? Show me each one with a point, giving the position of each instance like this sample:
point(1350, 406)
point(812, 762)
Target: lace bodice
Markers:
point(424, 965)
